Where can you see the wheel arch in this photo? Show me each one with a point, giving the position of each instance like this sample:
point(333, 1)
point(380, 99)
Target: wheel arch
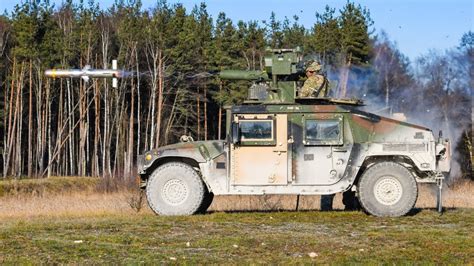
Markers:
point(405, 161)
point(163, 160)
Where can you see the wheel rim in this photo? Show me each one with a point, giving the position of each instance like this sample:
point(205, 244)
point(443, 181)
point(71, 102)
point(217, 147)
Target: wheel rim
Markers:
point(174, 192)
point(388, 190)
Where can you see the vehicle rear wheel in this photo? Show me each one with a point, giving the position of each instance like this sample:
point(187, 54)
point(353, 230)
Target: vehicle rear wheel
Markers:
point(175, 189)
point(387, 189)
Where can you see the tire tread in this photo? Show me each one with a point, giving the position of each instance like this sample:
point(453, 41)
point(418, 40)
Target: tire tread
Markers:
point(371, 173)
point(195, 183)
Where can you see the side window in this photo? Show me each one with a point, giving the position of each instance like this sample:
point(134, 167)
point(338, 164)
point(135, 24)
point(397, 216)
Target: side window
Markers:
point(257, 132)
point(323, 132)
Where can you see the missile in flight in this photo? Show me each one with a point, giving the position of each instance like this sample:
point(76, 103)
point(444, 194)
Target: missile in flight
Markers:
point(87, 72)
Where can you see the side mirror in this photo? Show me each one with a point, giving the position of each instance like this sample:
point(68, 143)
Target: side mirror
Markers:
point(235, 133)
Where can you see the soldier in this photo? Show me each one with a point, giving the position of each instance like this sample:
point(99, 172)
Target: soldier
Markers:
point(315, 84)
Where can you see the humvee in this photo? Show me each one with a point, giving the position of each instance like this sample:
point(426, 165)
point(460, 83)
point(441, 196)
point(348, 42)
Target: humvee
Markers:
point(279, 143)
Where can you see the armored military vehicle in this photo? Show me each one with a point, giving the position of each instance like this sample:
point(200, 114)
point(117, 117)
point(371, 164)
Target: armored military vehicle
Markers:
point(280, 143)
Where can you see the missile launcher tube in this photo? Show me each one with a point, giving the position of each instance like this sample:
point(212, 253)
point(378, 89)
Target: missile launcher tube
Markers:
point(243, 75)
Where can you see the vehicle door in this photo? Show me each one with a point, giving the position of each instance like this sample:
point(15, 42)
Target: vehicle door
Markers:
point(260, 156)
point(318, 144)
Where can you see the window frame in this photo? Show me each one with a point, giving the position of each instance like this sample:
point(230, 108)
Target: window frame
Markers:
point(258, 142)
point(333, 142)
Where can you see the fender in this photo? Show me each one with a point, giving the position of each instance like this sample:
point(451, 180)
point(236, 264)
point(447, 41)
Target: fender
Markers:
point(198, 151)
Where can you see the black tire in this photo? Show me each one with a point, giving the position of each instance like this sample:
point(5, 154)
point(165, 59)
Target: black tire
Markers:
point(387, 189)
point(175, 189)
point(327, 202)
point(208, 197)
point(350, 201)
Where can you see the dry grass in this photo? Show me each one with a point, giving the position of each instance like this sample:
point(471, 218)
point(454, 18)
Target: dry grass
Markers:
point(74, 204)
point(91, 202)
point(92, 227)
point(457, 195)
point(48, 186)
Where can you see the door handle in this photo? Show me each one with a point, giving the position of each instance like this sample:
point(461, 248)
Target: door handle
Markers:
point(339, 150)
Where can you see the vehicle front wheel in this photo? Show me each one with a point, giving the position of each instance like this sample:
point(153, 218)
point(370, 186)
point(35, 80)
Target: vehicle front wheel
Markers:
point(175, 189)
point(387, 189)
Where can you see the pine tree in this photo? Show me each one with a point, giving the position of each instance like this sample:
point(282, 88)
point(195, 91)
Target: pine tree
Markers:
point(294, 34)
point(274, 36)
point(325, 37)
point(354, 23)
point(5, 37)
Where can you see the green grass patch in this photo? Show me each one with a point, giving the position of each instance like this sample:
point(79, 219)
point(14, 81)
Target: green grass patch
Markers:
point(44, 186)
point(248, 237)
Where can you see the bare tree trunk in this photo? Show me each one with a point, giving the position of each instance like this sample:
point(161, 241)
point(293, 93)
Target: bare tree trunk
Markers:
point(30, 124)
point(119, 150)
point(105, 147)
point(219, 116)
point(48, 126)
point(198, 117)
point(8, 124)
point(70, 96)
point(160, 97)
point(344, 77)
point(40, 141)
point(82, 131)
point(138, 104)
point(171, 118)
point(205, 112)
point(131, 135)
point(153, 68)
point(18, 151)
point(147, 126)
point(61, 163)
point(13, 115)
point(387, 90)
point(95, 154)
point(61, 143)
point(106, 127)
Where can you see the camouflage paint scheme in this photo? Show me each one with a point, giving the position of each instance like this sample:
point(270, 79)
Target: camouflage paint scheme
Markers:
point(288, 161)
point(366, 139)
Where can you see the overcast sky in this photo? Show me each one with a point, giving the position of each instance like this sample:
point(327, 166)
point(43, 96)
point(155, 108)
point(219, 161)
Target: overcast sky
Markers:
point(416, 26)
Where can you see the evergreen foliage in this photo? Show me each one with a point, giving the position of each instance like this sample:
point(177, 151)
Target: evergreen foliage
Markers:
point(78, 128)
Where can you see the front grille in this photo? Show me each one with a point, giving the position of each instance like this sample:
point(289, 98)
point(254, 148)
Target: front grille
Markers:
point(417, 147)
point(397, 147)
point(394, 147)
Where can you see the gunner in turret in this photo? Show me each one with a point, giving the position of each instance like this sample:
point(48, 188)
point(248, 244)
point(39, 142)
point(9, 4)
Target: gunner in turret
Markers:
point(316, 84)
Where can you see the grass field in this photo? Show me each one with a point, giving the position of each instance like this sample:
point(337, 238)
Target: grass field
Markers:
point(41, 224)
point(270, 237)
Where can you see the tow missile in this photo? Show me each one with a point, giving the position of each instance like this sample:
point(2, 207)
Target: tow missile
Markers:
point(87, 72)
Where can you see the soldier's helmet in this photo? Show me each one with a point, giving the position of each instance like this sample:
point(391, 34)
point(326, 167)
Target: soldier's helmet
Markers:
point(314, 66)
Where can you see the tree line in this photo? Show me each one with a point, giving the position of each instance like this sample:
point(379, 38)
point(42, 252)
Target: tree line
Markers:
point(70, 127)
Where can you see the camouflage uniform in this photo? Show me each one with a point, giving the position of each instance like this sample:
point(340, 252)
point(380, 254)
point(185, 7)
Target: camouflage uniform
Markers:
point(314, 83)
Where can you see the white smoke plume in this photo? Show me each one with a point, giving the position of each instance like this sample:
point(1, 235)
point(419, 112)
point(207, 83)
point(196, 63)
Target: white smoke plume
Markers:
point(437, 97)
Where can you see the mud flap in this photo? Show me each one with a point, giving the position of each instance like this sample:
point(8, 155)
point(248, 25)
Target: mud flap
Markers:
point(439, 196)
